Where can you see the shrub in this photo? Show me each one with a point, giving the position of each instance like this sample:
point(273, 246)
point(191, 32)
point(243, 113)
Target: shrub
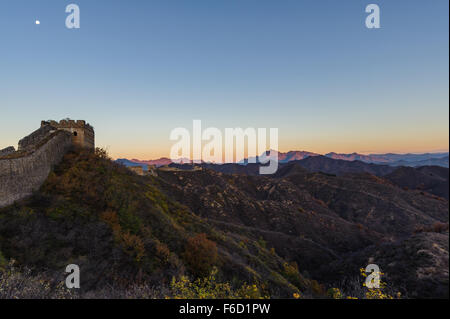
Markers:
point(440, 227)
point(200, 255)
point(162, 252)
point(262, 243)
point(334, 293)
point(131, 244)
point(209, 288)
point(291, 273)
point(437, 227)
point(250, 292)
point(3, 261)
point(317, 289)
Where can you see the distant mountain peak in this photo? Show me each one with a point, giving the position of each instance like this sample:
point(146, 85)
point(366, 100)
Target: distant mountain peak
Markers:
point(392, 159)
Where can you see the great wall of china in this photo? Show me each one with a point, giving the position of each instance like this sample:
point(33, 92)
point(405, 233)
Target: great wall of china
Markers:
point(25, 170)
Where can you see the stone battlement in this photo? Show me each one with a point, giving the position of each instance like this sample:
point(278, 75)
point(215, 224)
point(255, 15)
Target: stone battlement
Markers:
point(25, 170)
point(68, 124)
point(20, 176)
point(30, 141)
point(7, 151)
point(82, 133)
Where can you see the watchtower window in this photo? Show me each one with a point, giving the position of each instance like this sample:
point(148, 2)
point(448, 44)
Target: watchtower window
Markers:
point(75, 134)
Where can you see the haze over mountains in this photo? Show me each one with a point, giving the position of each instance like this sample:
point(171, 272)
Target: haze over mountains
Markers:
point(432, 179)
point(439, 159)
point(426, 172)
point(391, 159)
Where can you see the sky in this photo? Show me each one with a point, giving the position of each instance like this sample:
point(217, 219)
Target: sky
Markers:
point(136, 70)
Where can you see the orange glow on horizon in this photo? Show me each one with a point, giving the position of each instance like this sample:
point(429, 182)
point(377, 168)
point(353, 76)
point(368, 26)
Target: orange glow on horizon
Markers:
point(438, 146)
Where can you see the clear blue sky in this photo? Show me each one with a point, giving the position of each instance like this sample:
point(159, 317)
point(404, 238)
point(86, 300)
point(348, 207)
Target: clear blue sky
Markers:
point(137, 69)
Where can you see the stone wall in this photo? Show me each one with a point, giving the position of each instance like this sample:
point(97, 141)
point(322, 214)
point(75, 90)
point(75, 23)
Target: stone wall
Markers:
point(31, 140)
point(19, 177)
point(82, 133)
point(7, 151)
point(81, 137)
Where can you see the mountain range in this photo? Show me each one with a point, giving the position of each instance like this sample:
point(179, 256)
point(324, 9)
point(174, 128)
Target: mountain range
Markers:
point(308, 228)
point(391, 159)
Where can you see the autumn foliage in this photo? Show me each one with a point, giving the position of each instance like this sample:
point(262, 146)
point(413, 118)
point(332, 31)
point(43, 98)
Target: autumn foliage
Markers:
point(200, 255)
point(131, 244)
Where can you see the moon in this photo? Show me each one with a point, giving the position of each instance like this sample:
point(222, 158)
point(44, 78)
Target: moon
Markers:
point(38, 22)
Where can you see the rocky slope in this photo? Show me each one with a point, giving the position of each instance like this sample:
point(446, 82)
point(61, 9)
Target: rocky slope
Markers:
point(317, 219)
point(431, 179)
point(124, 229)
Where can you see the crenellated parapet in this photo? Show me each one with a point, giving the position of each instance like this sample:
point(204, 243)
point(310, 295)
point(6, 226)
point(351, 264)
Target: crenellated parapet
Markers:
point(7, 151)
point(24, 170)
point(29, 142)
point(83, 134)
point(68, 124)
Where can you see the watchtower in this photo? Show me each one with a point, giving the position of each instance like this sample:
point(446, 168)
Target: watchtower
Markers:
point(82, 134)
